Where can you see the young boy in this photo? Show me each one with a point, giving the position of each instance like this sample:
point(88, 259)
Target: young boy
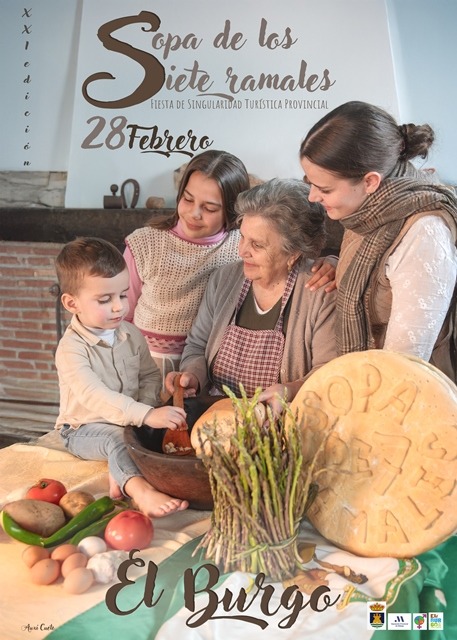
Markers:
point(107, 377)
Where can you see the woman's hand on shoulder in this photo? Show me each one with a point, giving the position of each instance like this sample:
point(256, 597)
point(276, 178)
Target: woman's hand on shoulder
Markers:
point(187, 380)
point(324, 275)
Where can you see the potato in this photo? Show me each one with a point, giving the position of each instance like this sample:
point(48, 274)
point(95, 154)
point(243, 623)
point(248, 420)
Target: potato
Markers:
point(75, 501)
point(37, 516)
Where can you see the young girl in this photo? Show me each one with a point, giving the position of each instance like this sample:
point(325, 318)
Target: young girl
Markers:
point(171, 260)
point(398, 262)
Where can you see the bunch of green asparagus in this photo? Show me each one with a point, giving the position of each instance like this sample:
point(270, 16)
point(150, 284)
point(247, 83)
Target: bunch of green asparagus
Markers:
point(261, 490)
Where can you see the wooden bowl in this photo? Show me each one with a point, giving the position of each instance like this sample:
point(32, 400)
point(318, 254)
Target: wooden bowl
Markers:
point(183, 477)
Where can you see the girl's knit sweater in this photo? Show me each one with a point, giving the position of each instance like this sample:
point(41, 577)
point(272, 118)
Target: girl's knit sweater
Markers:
point(168, 276)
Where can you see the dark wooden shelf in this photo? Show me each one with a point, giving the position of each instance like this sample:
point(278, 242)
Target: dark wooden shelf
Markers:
point(62, 225)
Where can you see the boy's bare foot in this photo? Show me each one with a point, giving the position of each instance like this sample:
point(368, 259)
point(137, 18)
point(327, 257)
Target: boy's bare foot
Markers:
point(114, 489)
point(151, 502)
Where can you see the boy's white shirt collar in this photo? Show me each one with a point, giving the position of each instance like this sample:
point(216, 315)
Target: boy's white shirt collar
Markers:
point(90, 334)
point(108, 335)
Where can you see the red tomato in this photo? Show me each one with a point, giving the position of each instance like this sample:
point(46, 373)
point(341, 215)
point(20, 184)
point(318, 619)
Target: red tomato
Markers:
point(47, 490)
point(129, 530)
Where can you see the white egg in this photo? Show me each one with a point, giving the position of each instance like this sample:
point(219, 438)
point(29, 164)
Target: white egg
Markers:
point(92, 545)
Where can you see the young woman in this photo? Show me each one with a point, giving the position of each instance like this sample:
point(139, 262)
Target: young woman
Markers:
point(398, 263)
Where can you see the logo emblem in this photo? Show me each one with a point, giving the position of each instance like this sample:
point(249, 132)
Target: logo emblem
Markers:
point(399, 621)
point(420, 621)
point(376, 615)
point(436, 621)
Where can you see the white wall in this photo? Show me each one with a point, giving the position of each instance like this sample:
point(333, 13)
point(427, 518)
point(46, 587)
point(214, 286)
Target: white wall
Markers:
point(424, 45)
point(332, 33)
point(38, 56)
point(309, 54)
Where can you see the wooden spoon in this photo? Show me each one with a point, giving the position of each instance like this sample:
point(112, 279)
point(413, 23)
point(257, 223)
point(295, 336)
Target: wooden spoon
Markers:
point(176, 442)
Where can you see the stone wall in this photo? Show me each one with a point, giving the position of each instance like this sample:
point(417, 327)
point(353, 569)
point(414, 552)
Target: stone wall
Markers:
point(32, 188)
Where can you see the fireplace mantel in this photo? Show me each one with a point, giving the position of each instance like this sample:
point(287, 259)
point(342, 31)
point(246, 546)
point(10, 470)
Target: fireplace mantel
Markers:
point(62, 225)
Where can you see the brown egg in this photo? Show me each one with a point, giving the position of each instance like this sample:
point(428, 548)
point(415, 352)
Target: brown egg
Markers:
point(63, 551)
point(45, 571)
point(75, 561)
point(79, 580)
point(32, 554)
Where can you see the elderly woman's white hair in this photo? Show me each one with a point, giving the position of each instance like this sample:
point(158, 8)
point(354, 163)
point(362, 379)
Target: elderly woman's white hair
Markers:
point(284, 204)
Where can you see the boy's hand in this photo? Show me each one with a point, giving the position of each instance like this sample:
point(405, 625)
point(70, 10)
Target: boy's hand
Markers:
point(188, 381)
point(166, 418)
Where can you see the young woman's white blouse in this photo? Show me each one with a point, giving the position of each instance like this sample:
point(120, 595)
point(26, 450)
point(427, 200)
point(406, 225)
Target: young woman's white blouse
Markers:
point(422, 273)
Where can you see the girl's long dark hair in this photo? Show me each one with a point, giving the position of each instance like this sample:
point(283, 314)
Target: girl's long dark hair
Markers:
point(229, 173)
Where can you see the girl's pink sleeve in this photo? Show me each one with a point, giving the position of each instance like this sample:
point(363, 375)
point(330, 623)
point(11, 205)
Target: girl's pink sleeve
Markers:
point(136, 285)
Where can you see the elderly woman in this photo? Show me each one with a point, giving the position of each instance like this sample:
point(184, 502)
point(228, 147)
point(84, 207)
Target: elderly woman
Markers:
point(258, 323)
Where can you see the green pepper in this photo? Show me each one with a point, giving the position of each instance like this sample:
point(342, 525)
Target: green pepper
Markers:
point(17, 532)
point(93, 512)
point(90, 514)
point(94, 529)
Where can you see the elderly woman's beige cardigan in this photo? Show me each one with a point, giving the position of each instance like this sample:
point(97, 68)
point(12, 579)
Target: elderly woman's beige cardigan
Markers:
point(310, 337)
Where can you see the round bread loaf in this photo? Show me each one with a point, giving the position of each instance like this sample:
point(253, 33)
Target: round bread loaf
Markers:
point(220, 420)
point(386, 425)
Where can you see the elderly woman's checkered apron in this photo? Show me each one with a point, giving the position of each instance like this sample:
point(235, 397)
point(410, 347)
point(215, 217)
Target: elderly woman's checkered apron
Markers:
point(249, 356)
